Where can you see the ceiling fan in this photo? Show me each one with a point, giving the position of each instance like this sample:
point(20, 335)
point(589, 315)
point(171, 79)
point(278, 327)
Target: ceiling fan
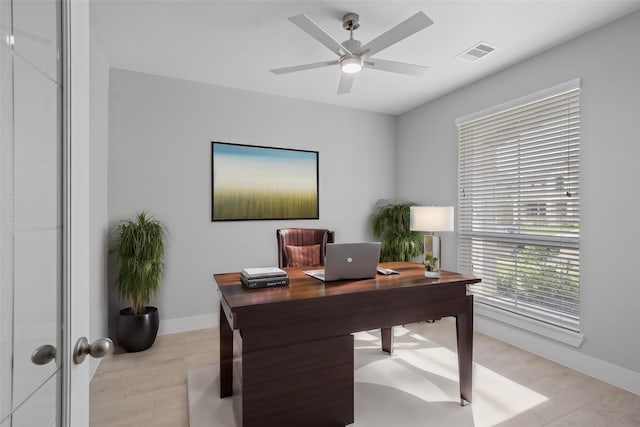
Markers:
point(353, 57)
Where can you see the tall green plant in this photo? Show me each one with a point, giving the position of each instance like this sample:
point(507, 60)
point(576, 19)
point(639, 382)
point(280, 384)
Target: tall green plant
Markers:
point(141, 259)
point(390, 224)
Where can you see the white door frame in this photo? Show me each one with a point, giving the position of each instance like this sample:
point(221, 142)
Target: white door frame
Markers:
point(76, 203)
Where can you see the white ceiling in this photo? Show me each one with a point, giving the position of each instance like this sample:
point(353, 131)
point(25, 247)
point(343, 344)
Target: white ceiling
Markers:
point(236, 43)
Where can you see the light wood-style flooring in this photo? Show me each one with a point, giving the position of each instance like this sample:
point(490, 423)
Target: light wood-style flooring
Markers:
point(150, 388)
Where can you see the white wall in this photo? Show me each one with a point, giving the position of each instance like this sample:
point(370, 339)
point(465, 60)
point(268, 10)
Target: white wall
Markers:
point(608, 62)
point(160, 133)
point(99, 222)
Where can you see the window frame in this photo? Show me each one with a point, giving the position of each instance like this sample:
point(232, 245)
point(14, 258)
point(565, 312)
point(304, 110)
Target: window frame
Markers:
point(525, 315)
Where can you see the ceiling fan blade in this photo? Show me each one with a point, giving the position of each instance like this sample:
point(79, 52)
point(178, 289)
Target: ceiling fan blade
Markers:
point(311, 28)
point(346, 81)
point(395, 67)
point(295, 68)
point(417, 22)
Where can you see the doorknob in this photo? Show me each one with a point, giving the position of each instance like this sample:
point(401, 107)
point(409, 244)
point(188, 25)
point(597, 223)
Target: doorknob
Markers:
point(97, 349)
point(43, 354)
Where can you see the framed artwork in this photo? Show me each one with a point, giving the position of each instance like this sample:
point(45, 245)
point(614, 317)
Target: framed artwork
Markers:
point(250, 182)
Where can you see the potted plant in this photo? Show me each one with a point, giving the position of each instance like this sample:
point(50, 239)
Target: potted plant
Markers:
point(390, 223)
point(141, 267)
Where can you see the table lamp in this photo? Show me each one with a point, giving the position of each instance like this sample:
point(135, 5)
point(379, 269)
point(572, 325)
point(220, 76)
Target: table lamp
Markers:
point(431, 219)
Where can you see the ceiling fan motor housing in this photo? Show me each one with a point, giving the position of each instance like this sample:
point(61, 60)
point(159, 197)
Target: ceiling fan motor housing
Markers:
point(352, 45)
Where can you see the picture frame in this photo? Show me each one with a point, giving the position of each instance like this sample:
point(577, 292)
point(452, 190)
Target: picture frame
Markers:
point(252, 182)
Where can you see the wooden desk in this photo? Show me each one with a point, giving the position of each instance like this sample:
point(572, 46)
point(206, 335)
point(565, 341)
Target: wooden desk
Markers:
point(293, 363)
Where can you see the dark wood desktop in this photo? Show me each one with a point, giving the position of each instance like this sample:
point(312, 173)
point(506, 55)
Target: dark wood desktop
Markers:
point(293, 358)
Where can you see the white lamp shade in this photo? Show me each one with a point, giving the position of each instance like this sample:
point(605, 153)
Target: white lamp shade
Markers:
point(431, 218)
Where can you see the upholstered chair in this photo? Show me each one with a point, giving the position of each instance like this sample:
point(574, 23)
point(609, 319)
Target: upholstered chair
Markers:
point(302, 246)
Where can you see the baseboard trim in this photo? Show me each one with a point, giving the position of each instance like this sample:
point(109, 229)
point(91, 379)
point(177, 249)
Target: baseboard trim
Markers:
point(185, 324)
point(600, 369)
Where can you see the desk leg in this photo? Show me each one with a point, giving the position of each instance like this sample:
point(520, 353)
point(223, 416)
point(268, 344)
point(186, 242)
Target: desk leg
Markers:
point(464, 333)
point(387, 339)
point(226, 356)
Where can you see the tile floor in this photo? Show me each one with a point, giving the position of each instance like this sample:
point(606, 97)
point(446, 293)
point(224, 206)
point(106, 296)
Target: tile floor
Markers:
point(150, 388)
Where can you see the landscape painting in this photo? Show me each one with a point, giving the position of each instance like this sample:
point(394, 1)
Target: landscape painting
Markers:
point(252, 183)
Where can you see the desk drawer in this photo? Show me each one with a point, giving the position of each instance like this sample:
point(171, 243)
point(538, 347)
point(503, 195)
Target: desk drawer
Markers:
point(278, 362)
point(306, 384)
point(322, 398)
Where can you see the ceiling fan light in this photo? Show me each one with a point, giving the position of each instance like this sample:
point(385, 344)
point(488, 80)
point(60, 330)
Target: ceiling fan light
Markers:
point(351, 64)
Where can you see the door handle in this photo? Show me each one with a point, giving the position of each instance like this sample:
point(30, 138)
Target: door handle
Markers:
point(97, 349)
point(43, 354)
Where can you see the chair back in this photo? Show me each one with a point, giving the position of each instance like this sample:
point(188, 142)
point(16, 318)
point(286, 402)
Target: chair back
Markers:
point(301, 237)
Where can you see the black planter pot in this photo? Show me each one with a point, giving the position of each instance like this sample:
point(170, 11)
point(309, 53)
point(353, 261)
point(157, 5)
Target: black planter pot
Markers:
point(138, 332)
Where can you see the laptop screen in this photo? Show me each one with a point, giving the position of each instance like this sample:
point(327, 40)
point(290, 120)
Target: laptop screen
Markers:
point(349, 261)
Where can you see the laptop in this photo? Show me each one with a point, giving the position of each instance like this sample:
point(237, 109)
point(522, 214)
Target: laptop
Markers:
point(346, 261)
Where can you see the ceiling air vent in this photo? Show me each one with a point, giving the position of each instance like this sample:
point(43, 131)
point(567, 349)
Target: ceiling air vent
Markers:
point(476, 52)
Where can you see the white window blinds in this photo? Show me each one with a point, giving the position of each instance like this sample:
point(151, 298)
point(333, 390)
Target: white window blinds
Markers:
point(519, 205)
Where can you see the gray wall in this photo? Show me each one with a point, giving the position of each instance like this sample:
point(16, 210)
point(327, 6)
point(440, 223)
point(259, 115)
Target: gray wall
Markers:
point(98, 226)
point(160, 133)
point(608, 62)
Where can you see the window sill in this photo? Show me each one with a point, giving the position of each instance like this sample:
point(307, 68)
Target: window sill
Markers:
point(574, 339)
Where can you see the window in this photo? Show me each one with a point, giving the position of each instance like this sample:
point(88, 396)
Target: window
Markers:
point(519, 205)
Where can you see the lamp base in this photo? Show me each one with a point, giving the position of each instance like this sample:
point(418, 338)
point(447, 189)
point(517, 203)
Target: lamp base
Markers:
point(432, 274)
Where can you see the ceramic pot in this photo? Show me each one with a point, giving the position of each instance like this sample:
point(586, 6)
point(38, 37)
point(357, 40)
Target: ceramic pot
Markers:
point(138, 332)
